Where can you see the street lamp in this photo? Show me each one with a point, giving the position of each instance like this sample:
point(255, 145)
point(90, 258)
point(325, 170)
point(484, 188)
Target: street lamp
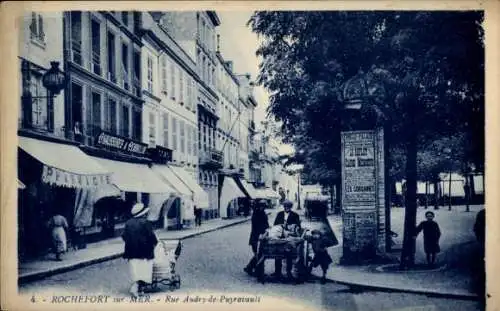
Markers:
point(447, 151)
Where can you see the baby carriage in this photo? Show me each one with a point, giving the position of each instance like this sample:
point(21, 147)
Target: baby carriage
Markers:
point(166, 254)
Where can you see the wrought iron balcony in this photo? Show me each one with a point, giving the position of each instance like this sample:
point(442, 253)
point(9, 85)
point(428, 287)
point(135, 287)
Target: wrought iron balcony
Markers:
point(211, 159)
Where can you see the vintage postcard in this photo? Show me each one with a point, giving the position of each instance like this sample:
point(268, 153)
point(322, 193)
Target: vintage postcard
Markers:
point(233, 155)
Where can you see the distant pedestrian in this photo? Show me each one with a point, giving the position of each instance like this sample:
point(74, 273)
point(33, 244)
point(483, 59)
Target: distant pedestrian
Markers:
point(197, 215)
point(431, 237)
point(321, 256)
point(140, 242)
point(259, 225)
point(58, 226)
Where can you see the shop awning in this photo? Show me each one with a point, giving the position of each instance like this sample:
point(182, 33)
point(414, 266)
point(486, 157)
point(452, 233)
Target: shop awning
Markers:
point(266, 193)
point(65, 165)
point(200, 195)
point(169, 177)
point(229, 192)
point(134, 177)
point(249, 188)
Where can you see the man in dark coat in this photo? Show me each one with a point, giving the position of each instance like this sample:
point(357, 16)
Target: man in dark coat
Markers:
point(140, 242)
point(259, 225)
point(286, 218)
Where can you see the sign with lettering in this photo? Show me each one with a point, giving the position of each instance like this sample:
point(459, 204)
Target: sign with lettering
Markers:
point(121, 144)
point(358, 169)
point(160, 154)
point(55, 176)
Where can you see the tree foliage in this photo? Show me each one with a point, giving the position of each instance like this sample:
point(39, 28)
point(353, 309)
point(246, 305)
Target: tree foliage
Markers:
point(425, 79)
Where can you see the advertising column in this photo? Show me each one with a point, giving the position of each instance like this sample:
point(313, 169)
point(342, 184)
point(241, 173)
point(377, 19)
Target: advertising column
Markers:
point(362, 194)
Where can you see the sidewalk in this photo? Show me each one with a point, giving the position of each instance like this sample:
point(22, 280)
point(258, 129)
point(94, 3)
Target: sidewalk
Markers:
point(111, 249)
point(451, 278)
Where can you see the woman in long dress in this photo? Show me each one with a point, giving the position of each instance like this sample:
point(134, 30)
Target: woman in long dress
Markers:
point(58, 226)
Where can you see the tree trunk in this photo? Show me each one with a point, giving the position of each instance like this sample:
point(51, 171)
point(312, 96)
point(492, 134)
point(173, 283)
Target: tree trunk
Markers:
point(408, 252)
point(436, 194)
point(426, 194)
point(332, 201)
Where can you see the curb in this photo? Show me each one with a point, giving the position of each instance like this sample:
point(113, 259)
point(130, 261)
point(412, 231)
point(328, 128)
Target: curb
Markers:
point(388, 288)
point(35, 276)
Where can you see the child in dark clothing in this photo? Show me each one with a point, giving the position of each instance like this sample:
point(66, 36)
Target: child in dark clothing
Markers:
point(321, 257)
point(431, 237)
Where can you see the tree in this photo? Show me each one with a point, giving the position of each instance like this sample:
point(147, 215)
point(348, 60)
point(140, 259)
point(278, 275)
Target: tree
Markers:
point(430, 64)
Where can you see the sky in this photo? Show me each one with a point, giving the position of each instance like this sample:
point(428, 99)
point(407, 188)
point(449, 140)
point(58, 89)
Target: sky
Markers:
point(238, 43)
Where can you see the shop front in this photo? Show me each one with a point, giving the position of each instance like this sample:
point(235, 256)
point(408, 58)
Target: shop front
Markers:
point(229, 194)
point(52, 173)
point(170, 212)
point(104, 211)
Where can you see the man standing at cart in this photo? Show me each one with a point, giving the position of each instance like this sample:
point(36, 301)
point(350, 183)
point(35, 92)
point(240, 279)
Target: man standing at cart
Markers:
point(286, 218)
point(140, 242)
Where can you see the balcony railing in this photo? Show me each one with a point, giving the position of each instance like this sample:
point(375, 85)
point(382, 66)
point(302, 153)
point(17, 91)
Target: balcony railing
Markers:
point(211, 158)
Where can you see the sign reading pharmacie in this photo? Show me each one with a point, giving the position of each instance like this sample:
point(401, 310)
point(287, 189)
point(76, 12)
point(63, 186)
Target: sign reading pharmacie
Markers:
point(58, 177)
point(122, 144)
point(359, 170)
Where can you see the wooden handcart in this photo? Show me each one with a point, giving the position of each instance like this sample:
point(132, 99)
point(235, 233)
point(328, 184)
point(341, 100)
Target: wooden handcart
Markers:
point(296, 248)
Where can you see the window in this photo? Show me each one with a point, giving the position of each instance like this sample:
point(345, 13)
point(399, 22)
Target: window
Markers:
point(150, 74)
point(125, 66)
point(76, 101)
point(183, 133)
point(205, 128)
point(189, 103)
point(124, 120)
point(172, 80)
point(94, 115)
point(181, 86)
point(36, 27)
point(152, 129)
point(165, 130)
point(39, 111)
point(195, 143)
point(188, 139)
point(111, 119)
point(125, 18)
point(164, 74)
point(136, 123)
point(136, 89)
point(174, 133)
point(96, 46)
point(111, 58)
point(76, 37)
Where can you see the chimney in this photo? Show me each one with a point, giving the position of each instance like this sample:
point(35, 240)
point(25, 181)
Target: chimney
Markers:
point(218, 43)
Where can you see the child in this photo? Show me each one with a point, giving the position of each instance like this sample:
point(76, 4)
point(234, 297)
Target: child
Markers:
point(321, 257)
point(431, 237)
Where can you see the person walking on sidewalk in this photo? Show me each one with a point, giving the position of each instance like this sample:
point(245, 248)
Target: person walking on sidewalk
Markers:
point(259, 225)
point(431, 237)
point(58, 226)
point(197, 216)
point(321, 256)
point(140, 242)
